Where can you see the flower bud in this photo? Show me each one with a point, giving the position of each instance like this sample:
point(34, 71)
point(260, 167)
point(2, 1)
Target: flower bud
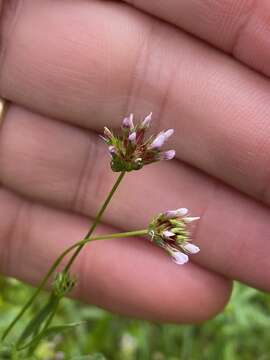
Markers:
point(128, 122)
point(191, 248)
point(167, 155)
point(168, 133)
point(180, 230)
point(108, 133)
point(178, 257)
point(181, 239)
point(177, 223)
point(132, 137)
point(112, 150)
point(146, 122)
point(170, 214)
point(158, 142)
point(167, 234)
point(182, 211)
point(191, 219)
point(63, 284)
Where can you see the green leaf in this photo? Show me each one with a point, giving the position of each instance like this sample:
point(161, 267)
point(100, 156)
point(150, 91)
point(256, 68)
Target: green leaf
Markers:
point(35, 324)
point(50, 331)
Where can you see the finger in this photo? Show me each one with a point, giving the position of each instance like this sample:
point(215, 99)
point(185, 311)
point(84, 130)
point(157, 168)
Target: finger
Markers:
point(67, 167)
point(240, 28)
point(126, 276)
point(218, 108)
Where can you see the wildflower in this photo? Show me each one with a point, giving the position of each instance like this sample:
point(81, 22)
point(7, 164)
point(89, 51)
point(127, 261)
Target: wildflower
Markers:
point(130, 150)
point(171, 231)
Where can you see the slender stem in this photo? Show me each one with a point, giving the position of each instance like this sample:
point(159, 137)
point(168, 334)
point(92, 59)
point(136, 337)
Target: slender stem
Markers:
point(60, 258)
point(97, 220)
point(58, 261)
point(35, 341)
point(37, 291)
point(115, 236)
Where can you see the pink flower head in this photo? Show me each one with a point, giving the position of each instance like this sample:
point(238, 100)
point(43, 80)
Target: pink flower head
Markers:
point(131, 150)
point(171, 230)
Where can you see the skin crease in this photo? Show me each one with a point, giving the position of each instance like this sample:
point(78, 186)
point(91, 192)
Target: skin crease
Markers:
point(53, 170)
point(238, 27)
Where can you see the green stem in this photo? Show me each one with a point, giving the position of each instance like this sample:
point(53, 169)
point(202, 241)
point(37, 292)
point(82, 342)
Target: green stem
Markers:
point(37, 291)
point(58, 261)
point(35, 341)
point(97, 220)
point(115, 236)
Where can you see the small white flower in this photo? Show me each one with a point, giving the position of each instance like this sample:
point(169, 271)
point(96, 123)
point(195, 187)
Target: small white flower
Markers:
point(128, 122)
point(190, 219)
point(146, 122)
point(167, 155)
point(175, 213)
point(158, 142)
point(182, 211)
point(178, 257)
point(190, 248)
point(132, 137)
point(167, 234)
point(160, 139)
point(170, 214)
point(168, 133)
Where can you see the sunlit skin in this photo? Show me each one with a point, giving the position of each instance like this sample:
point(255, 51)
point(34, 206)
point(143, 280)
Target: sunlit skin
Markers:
point(90, 63)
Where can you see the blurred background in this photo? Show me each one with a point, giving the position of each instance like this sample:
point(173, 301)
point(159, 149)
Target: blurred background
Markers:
point(242, 331)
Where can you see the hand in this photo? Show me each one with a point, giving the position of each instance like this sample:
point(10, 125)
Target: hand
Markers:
point(71, 67)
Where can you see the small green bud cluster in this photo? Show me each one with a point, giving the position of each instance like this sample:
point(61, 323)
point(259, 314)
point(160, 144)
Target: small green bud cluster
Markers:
point(63, 284)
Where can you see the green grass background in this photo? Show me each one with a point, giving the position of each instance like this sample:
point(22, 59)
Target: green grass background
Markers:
point(241, 332)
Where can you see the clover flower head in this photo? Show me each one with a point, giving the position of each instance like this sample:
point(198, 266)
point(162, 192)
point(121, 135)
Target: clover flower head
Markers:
point(131, 150)
point(171, 231)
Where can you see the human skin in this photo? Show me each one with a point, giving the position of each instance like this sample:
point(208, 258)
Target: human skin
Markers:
point(69, 68)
